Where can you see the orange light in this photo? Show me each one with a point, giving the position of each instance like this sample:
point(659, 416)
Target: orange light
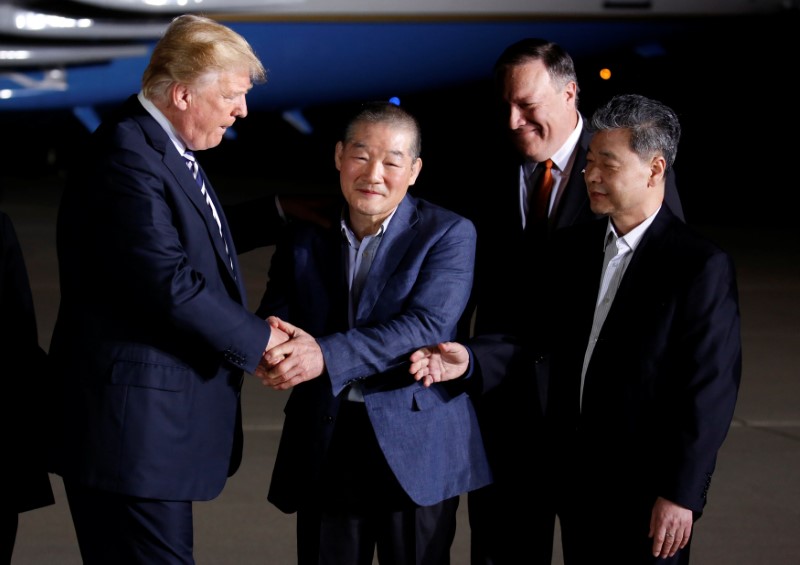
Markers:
point(605, 74)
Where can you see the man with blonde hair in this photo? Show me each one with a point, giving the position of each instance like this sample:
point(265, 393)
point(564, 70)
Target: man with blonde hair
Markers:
point(153, 331)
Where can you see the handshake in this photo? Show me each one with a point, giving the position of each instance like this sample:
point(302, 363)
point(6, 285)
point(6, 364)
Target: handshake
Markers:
point(292, 356)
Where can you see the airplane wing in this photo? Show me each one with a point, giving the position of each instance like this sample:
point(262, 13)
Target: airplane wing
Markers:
point(57, 55)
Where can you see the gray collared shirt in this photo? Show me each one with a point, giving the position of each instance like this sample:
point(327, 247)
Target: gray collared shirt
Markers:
point(618, 251)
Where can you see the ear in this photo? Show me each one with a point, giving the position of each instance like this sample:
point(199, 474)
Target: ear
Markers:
point(416, 167)
point(658, 170)
point(571, 92)
point(180, 95)
point(337, 156)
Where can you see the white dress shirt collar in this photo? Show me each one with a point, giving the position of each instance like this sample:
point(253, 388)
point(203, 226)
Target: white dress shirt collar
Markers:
point(163, 122)
point(633, 237)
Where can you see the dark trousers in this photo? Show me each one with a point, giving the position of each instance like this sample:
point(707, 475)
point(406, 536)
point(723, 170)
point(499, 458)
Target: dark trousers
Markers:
point(363, 508)
point(125, 530)
point(511, 523)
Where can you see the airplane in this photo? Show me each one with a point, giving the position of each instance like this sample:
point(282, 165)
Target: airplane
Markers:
point(84, 55)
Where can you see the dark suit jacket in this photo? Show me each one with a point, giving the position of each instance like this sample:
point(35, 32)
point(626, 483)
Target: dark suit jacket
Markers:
point(415, 292)
point(503, 243)
point(662, 383)
point(24, 409)
point(500, 289)
point(665, 370)
point(153, 332)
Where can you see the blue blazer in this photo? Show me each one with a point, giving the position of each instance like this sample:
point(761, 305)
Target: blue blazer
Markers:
point(415, 293)
point(153, 333)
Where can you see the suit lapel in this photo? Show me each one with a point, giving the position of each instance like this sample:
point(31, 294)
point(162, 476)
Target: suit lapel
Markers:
point(396, 240)
point(330, 257)
point(645, 264)
point(175, 163)
point(211, 224)
point(573, 202)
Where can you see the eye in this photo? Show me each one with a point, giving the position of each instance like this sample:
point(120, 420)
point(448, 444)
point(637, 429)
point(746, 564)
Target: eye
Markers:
point(357, 155)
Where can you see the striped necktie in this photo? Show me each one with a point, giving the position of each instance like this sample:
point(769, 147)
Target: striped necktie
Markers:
point(191, 162)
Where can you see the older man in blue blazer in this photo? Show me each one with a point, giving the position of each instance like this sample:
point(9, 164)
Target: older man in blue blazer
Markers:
point(369, 458)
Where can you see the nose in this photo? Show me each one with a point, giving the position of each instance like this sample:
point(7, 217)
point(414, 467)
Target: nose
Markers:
point(590, 173)
point(240, 111)
point(515, 117)
point(375, 171)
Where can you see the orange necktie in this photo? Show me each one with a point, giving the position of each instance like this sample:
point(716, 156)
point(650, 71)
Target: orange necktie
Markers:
point(541, 196)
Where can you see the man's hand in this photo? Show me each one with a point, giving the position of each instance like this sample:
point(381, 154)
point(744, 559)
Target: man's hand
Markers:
point(670, 527)
point(276, 337)
point(443, 362)
point(291, 362)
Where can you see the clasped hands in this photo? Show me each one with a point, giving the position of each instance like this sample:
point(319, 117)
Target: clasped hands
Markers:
point(292, 356)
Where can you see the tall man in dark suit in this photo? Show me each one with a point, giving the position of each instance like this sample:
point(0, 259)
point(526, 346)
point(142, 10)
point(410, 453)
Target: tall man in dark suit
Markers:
point(153, 332)
point(368, 457)
point(537, 86)
point(644, 352)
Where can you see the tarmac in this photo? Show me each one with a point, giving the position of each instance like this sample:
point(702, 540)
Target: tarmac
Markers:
point(753, 513)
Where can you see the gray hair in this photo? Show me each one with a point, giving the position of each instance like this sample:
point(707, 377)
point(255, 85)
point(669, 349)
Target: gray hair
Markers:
point(654, 127)
point(191, 48)
point(388, 113)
